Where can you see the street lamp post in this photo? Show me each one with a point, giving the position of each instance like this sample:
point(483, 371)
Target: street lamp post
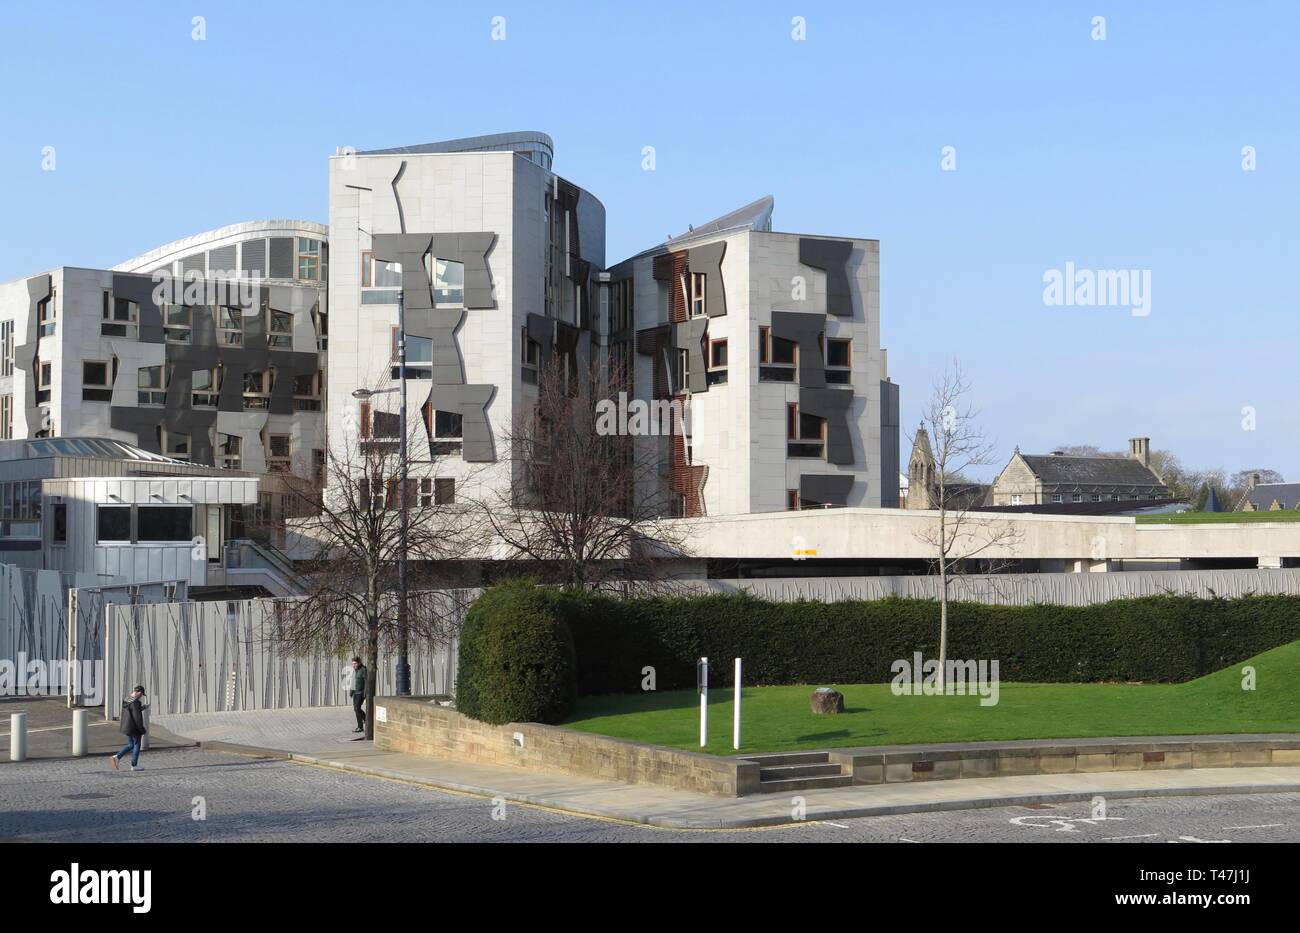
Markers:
point(403, 673)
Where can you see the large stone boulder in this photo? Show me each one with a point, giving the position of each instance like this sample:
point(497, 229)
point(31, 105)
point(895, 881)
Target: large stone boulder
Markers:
point(825, 701)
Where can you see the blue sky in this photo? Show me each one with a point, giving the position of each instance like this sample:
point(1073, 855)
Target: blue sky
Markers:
point(1116, 154)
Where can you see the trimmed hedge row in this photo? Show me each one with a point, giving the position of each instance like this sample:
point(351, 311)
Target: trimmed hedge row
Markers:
point(1160, 639)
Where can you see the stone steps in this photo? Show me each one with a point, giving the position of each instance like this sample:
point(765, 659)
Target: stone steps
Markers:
point(796, 771)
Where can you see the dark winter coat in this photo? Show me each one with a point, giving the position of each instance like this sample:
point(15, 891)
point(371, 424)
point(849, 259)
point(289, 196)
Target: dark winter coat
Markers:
point(359, 681)
point(133, 718)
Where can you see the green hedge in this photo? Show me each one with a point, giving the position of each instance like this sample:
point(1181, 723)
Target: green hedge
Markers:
point(1161, 639)
point(516, 659)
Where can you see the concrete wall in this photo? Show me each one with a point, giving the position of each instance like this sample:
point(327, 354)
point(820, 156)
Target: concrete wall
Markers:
point(419, 727)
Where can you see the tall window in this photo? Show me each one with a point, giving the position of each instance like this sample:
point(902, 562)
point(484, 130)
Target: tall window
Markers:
point(228, 450)
point(697, 294)
point(717, 362)
point(44, 380)
point(307, 391)
point(277, 449)
point(530, 357)
point(6, 348)
point(152, 386)
point(205, 387)
point(257, 390)
point(6, 417)
point(279, 329)
point(309, 259)
point(230, 326)
point(177, 322)
point(448, 283)
point(95, 386)
point(45, 315)
point(173, 444)
point(839, 361)
point(778, 357)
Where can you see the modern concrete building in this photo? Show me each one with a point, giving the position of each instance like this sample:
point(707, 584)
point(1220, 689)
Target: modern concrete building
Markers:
point(210, 349)
point(496, 259)
point(771, 343)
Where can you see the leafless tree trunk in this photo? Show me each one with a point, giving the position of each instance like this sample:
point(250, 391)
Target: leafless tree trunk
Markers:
point(354, 535)
point(958, 534)
point(586, 502)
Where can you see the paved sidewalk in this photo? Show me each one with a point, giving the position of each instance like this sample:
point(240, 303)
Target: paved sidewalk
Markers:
point(321, 737)
point(49, 729)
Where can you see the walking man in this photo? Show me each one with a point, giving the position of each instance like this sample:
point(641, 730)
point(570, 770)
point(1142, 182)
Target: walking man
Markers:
point(359, 693)
point(132, 727)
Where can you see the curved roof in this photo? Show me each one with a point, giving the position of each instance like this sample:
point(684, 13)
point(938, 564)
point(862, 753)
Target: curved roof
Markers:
point(522, 141)
point(222, 236)
point(96, 447)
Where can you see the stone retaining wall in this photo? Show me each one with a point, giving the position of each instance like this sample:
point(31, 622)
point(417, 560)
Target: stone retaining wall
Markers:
point(420, 727)
point(981, 760)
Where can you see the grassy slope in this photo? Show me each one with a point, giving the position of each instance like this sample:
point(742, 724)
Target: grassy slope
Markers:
point(1201, 518)
point(779, 719)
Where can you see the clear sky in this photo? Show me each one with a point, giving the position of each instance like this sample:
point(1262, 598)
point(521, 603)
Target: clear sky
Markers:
point(1113, 154)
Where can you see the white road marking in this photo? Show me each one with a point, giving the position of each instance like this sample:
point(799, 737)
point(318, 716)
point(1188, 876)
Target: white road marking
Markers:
point(1139, 836)
point(829, 823)
point(1063, 824)
point(1194, 839)
point(1260, 826)
point(905, 839)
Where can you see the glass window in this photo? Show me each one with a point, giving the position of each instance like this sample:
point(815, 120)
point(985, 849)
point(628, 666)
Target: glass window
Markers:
point(280, 330)
point(114, 523)
point(838, 352)
point(448, 283)
point(447, 424)
point(6, 348)
point(60, 523)
point(205, 386)
point(164, 523)
point(151, 385)
point(94, 373)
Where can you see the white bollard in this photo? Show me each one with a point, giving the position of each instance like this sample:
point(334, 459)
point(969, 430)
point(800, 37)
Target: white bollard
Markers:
point(18, 737)
point(702, 677)
point(144, 739)
point(735, 726)
point(79, 722)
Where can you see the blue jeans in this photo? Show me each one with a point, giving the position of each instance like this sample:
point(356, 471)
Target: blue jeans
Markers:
point(132, 746)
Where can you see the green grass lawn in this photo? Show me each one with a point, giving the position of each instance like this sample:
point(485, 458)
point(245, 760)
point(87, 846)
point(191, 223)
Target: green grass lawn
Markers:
point(1199, 518)
point(779, 718)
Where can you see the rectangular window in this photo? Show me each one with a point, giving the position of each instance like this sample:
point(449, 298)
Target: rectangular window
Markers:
point(6, 348)
point(448, 283)
point(173, 444)
point(839, 361)
point(6, 417)
point(697, 294)
point(367, 262)
point(177, 323)
point(530, 357)
point(1056, 498)
point(94, 382)
point(164, 523)
point(447, 424)
point(60, 523)
point(230, 326)
point(1096, 498)
point(152, 386)
point(805, 433)
point(718, 362)
point(307, 391)
point(228, 449)
point(205, 387)
point(45, 316)
point(114, 523)
point(764, 344)
point(257, 391)
point(1015, 500)
point(444, 491)
point(309, 257)
point(119, 317)
point(277, 460)
point(1076, 497)
point(279, 330)
point(792, 500)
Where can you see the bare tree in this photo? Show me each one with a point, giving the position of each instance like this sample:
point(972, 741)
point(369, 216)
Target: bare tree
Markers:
point(588, 502)
point(354, 537)
point(958, 535)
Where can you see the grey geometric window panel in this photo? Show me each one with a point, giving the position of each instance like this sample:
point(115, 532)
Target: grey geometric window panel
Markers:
point(282, 254)
point(252, 258)
point(140, 289)
point(804, 328)
point(39, 288)
point(833, 405)
point(889, 452)
point(832, 257)
point(708, 259)
point(830, 489)
point(204, 352)
point(689, 336)
point(555, 336)
point(471, 403)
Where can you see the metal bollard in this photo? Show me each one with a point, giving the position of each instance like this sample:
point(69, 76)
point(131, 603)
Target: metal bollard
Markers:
point(79, 723)
point(144, 739)
point(18, 737)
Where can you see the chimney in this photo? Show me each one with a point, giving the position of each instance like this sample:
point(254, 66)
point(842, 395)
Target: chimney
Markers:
point(1253, 481)
point(1139, 448)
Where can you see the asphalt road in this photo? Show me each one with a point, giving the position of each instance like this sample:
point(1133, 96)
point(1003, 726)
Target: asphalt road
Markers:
point(261, 800)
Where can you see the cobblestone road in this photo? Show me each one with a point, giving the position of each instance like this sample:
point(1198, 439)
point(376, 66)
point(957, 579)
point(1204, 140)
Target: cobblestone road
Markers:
point(253, 800)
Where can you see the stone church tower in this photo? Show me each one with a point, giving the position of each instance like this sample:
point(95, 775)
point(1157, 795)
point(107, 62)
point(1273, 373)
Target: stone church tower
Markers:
point(922, 491)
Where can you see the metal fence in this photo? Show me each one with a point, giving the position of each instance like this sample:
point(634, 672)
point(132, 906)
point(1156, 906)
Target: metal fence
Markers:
point(1066, 589)
point(200, 657)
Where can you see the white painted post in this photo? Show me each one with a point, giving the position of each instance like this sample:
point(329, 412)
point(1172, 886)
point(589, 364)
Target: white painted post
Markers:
point(735, 726)
point(703, 678)
point(144, 739)
point(79, 717)
point(18, 737)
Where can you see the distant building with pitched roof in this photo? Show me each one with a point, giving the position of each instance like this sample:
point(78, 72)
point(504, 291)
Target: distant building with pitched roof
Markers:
point(1058, 479)
point(1269, 497)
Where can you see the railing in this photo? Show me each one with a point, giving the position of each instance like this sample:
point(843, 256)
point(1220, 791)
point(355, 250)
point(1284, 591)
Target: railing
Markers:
point(247, 554)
